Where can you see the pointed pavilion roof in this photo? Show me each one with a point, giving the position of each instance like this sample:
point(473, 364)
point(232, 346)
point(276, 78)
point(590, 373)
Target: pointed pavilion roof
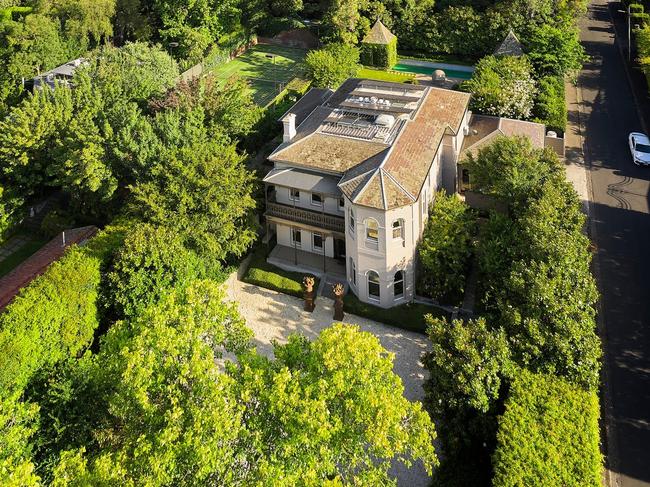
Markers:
point(379, 34)
point(510, 46)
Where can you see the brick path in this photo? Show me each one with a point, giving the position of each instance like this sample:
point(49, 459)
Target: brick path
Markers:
point(40, 261)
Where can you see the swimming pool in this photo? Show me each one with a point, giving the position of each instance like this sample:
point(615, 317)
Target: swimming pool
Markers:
point(451, 73)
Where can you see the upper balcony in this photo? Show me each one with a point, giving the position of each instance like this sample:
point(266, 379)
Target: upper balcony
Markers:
point(303, 216)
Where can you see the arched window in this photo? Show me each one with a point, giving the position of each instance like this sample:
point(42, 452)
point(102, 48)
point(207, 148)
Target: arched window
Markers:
point(351, 220)
point(398, 229)
point(373, 285)
point(372, 230)
point(398, 285)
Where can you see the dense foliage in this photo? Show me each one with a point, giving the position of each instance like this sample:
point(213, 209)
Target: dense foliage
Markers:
point(550, 104)
point(502, 86)
point(548, 435)
point(330, 66)
point(643, 47)
point(535, 263)
point(445, 248)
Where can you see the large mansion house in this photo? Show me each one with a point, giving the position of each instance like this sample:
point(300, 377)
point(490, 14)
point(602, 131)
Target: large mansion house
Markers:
point(355, 175)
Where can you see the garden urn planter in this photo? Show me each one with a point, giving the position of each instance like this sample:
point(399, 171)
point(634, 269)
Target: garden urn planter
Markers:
point(338, 291)
point(309, 282)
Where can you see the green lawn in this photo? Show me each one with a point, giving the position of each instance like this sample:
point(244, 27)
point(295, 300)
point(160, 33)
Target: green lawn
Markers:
point(266, 74)
point(383, 75)
point(19, 256)
point(263, 274)
point(408, 316)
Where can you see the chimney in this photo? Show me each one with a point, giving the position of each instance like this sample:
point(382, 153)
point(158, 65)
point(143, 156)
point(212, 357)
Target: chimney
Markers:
point(289, 123)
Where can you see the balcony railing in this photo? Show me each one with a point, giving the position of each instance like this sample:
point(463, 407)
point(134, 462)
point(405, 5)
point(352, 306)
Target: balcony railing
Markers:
point(306, 217)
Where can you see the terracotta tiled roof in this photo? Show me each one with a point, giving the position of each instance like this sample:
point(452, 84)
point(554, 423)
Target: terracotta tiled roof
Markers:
point(379, 34)
point(417, 146)
point(485, 128)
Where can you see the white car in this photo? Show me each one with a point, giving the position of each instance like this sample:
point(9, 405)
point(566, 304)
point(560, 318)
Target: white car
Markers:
point(640, 148)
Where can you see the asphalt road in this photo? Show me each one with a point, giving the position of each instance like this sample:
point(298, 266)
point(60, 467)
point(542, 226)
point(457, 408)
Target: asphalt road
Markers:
point(621, 231)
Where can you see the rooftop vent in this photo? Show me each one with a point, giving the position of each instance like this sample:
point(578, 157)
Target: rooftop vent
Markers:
point(385, 120)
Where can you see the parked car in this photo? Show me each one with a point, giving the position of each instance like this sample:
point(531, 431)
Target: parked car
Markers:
point(640, 148)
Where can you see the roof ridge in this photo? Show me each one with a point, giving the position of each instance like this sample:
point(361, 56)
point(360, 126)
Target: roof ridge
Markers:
point(365, 185)
point(396, 183)
point(383, 189)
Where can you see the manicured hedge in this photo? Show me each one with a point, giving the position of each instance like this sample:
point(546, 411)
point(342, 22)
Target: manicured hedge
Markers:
point(263, 274)
point(410, 316)
point(550, 104)
point(382, 75)
point(379, 55)
point(56, 315)
point(548, 435)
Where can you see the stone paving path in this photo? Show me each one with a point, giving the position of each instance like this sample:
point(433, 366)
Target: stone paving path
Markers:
point(274, 316)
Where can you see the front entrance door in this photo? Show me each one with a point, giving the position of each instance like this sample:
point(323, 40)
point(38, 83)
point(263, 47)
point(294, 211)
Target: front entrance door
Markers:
point(339, 249)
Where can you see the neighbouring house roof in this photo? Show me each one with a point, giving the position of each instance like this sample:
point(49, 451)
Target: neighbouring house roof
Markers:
point(380, 138)
point(510, 46)
point(62, 73)
point(304, 180)
point(483, 129)
point(379, 34)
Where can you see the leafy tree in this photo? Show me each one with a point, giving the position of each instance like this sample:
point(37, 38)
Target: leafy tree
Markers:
point(134, 72)
point(332, 65)
point(340, 20)
point(467, 365)
point(228, 109)
point(445, 247)
point(502, 86)
point(535, 263)
point(28, 46)
point(286, 8)
point(85, 23)
point(10, 209)
point(171, 416)
point(510, 168)
point(331, 410)
point(555, 51)
point(152, 261)
point(18, 422)
point(549, 435)
point(202, 191)
point(194, 25)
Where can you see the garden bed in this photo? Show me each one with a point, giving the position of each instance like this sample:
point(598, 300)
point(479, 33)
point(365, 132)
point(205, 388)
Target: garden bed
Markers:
point(261, 273)
point(409, 316)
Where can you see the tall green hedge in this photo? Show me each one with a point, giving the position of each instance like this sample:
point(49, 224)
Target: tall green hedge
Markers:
point(56, 315)
point(379, 55)
point(550, 104)
point(548, 435)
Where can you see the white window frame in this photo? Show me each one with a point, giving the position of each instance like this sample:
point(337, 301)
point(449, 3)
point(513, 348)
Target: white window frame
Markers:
point(317, 203)
point(402, 281)
point(294, 242)
point(353, 273)
point(320, 249)
point(372, 297)
point(341, 204)
point(351, 222)
point(400, 228)
point(291, 195)
point(374, 240)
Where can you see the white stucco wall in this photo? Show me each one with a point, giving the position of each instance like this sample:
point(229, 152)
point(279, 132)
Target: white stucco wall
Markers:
point(284, 238)
point(331, 204)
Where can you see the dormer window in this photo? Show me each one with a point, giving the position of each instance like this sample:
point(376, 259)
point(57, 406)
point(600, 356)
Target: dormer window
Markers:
point(294, 194)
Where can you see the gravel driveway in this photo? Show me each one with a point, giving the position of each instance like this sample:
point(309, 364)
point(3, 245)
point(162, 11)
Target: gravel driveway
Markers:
point(274, 316)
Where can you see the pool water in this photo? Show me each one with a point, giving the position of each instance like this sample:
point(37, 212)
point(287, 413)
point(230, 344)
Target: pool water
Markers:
point(451, 73)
